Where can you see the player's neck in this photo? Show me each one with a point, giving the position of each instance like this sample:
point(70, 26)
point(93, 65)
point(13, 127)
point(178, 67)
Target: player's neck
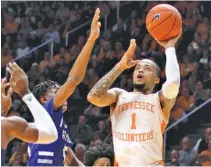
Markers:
point(145, 92)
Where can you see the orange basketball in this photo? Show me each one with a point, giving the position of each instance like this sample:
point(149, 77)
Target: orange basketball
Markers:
point(164, 22)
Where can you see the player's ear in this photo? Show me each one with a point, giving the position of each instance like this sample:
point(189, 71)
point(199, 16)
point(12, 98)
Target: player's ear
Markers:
point(157, 80)
point(43, 100)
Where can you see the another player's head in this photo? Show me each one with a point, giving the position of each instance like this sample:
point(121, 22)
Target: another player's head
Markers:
point(45, 90)
point(146, 75)
point(98, 156)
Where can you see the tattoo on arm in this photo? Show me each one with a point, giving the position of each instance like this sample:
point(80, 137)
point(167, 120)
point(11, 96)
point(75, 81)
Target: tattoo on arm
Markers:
point(103, 85)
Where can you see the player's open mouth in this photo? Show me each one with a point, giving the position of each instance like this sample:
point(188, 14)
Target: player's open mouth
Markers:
point(140, 76)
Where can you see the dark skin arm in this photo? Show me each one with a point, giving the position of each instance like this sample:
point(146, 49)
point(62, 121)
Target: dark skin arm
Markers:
point(18, 127)
point(78, 70)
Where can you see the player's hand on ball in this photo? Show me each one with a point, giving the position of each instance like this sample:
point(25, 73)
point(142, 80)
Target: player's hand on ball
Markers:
point(6, 100)
point(95, 26)
point(18, 80)
point(127, 60)
point(171, 42)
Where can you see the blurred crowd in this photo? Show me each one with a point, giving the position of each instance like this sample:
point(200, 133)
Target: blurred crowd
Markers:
point(192, 155)
point(26, 25)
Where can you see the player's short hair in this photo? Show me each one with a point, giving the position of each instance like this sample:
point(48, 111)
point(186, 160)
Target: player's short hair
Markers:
point(42, 88)
point(96, 152)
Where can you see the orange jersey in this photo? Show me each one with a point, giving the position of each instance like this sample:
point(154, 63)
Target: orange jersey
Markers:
point(137, 127)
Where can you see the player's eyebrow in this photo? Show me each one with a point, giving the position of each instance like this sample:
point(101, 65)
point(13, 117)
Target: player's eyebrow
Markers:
point(148, 65)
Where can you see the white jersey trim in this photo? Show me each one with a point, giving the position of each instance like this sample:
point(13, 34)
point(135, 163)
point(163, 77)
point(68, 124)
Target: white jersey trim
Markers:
point(46, 153)
point(44, 161)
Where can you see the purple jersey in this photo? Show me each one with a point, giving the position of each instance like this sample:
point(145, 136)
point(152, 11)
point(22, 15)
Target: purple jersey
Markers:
point(51, 154)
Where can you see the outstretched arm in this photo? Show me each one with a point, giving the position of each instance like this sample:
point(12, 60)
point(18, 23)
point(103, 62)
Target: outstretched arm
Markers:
point(43, 130)
point(170, 88)
point(100, 95)
point(78, 70)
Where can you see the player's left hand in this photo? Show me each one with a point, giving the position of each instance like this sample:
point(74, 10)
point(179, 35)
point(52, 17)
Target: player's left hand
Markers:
point(171, 42)
point(18, 80)
point(95, 26)
point(6, 100)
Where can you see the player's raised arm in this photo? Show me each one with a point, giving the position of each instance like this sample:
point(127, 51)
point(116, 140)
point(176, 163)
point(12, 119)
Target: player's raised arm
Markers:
point(78, 70)
point(43, 130)
point(170, 88)
point(100, 95)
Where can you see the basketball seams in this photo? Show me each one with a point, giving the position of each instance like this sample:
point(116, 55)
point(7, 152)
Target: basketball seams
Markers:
point(167, 26)
point(154, 12)
point(163, 21)
point(170, 28)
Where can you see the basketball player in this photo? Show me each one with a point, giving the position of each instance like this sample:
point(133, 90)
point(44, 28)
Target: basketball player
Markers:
point(42, 131)
point(138, 118)
point(53, 98)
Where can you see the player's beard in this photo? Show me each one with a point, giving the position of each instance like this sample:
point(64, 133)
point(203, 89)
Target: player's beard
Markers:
point(139, 87)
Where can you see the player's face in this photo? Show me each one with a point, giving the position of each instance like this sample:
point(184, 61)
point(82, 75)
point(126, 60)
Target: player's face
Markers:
point(145, 75)
point(102, 162)
point(50, 93)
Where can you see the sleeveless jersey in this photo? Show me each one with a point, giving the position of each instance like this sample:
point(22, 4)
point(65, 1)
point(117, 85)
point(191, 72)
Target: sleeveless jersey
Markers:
point(137, 127)
point(51, 154)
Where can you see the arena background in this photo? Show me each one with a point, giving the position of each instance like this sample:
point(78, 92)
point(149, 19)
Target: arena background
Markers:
point(46, 37)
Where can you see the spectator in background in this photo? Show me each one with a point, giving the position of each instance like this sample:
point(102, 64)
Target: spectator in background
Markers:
point(119, 50)
point(202, 144)
point(185, 101)
point(63, 53)
point(34, 74)
point(62, 11)
point(54, 33)
point(33, 40)
point(97, 137)
point(102, 129)
point(6, 56)
point(104, 9)
point(26, 28)
point(174, 158)
point(205, 156)
point(148, 44)
point(40, 31)
point(20, 38)
point(20, 156)
point(208, 82)
point(47, 62)
point(8, 42)
point(23, 49)
point(92, 110)
point(201, 93)
point(120, 26)
point(187, 155)
point(81, 41)
point(81, 133)
point(10, 26)
point(91, 78)
point(80, 151)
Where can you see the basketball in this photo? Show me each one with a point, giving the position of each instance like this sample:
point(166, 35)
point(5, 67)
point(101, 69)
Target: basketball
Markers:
point(164, 22)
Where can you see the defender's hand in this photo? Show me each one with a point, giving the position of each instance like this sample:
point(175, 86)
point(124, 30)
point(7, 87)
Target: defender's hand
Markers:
point(127, 60)
point(6, 100)
point(171, 42)
point(18, 80)
point(95, 26)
